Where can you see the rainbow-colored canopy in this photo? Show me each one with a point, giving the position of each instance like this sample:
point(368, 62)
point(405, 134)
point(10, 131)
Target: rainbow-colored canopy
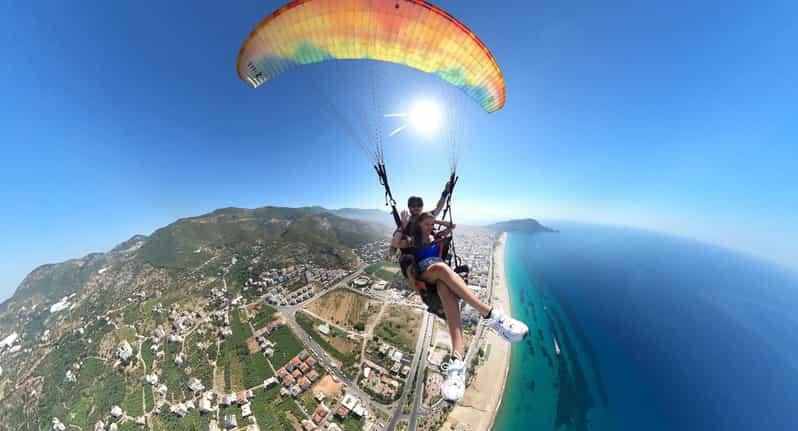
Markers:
point(409, 32)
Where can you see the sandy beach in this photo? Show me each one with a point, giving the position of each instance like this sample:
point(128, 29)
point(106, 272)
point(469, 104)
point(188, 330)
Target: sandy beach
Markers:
point(477, 410)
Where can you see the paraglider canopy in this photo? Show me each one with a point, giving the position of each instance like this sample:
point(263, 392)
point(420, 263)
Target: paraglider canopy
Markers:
point(413, 33)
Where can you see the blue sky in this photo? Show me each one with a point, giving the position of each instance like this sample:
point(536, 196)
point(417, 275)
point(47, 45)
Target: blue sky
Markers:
point(120, 117)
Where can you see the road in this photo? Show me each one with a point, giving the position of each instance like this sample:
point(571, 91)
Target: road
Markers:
point(480, 326)
point(420, 376)
point(289, 312)
point(420, 357)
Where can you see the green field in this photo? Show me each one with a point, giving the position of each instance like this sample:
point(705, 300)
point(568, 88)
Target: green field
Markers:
point(286, 346)
point(133, 402)
point(193, 421)
point(309, 324)
point(350, 423)
point(400, 326)
point(383, 270)
point(198, 359)
point(146, 354)
point(149, 399)
point(173, 376)
point(263, 316)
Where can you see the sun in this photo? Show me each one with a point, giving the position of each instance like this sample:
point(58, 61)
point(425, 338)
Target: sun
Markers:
point(425, 117)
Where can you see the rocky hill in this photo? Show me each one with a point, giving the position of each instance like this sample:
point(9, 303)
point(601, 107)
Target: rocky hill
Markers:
point(527, 225)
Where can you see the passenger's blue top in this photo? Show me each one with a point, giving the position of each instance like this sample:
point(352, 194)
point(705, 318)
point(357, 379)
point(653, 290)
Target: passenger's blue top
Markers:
point(429, 250)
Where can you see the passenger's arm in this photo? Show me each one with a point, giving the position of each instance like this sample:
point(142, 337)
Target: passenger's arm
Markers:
point(442, 201)
point(448, 227)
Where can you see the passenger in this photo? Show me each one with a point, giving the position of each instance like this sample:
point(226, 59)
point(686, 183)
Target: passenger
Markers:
point(442, 289)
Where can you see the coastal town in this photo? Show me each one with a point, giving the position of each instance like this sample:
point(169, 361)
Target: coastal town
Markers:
point(298, 347)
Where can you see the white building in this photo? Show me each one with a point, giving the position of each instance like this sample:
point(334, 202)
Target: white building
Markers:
point(116, 411)
point(57, 425)
point(268, 383)
point(195, 384)
point(324, 329)
point(125, 351)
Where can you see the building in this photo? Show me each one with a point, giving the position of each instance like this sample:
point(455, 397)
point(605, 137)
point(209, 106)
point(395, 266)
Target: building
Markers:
point(151, 379)
point(230, 421)
point(321, 412)
point(303, 355)
point(268, 383)
point(303, 383)
point(246, 410)
point(125, 351)
point(116, 411)
point(195, 385)
point(342, 412)
point(57, 425)
point(293, 364)
point(179, 410)
point(359, 411)
point(312, 375)
point(244, 396)
point(350, 401)
point(205, 405)
point(295, 390)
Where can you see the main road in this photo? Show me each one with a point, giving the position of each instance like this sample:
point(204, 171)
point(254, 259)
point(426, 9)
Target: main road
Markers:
point(419, 363)
point(420, 375)
point(289, 312)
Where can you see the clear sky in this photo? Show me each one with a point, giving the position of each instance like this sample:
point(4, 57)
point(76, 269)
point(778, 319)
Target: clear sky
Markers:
point(120, 117)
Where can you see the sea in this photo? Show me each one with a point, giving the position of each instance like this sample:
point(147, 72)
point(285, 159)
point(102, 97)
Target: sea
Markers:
point(654, 333)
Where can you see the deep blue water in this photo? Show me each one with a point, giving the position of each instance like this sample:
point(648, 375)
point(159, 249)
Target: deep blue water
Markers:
point(656, 333)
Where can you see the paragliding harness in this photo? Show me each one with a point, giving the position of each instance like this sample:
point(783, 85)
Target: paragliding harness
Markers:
point(427, 291)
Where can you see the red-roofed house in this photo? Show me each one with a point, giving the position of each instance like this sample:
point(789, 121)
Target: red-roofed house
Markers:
point(282, 372)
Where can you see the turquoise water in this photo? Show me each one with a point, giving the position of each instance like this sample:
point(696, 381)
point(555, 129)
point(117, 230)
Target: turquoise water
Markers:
point(655, 333)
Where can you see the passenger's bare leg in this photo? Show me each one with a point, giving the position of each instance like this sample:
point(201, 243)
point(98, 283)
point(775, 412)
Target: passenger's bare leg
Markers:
point(451, 306)
point(440, 272)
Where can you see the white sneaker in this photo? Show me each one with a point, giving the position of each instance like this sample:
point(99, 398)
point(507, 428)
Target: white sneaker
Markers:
point(453, 387)
point(510, 329)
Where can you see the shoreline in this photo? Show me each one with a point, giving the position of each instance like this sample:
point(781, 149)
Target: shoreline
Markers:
point(478, 408)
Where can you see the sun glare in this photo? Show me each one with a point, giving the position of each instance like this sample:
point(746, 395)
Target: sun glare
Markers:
point(425, 117)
